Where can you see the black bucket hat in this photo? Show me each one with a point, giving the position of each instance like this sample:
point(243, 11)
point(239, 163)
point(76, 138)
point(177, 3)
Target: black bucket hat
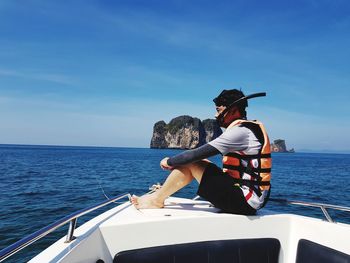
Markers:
point(227, 97)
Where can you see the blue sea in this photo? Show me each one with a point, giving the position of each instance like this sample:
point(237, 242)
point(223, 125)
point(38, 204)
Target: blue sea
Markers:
point(41, 184)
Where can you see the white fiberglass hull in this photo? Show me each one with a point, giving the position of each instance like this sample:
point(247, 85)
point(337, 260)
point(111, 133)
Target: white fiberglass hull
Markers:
point(185, 221)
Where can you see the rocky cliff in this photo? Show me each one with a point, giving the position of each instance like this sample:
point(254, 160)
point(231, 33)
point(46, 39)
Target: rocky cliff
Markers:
point(280, 146)
point(184, 132)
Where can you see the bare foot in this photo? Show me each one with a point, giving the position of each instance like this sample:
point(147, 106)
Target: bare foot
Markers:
point(146, 201)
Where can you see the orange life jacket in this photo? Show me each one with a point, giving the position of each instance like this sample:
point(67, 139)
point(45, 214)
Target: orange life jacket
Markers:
point(253, 171)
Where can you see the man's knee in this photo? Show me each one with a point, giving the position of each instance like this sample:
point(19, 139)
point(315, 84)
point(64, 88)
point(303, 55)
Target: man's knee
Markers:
point(197, 169)
point(184, 169)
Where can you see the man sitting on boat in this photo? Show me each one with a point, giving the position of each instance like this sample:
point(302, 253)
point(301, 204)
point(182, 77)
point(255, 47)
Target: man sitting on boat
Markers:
point(242, 186)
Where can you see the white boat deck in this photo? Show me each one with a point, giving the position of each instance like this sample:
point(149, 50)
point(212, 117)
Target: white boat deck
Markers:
point(186, 221)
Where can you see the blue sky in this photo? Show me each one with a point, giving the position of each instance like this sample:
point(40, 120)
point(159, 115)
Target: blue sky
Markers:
point(103, 72)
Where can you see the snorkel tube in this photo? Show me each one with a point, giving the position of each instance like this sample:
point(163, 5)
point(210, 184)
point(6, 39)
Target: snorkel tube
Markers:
point(220, 117)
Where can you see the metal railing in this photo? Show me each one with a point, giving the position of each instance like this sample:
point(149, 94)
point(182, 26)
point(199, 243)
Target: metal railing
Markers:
point(323, 207)
point(72, 218)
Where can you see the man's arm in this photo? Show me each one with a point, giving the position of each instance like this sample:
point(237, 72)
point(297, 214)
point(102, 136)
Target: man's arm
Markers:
point(190, 156)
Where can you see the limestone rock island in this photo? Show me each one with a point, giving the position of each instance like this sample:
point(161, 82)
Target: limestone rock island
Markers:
point(280, 146)
point(184, 132)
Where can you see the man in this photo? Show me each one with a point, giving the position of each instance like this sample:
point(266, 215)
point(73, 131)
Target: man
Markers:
point(242, 186)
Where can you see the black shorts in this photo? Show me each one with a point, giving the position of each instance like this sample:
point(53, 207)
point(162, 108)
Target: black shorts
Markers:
point(219, 189)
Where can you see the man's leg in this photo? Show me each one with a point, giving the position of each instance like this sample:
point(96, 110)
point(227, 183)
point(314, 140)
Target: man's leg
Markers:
point(177, 179)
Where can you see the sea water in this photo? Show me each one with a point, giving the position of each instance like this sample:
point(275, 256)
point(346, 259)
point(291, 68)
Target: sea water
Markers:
point(41, 184)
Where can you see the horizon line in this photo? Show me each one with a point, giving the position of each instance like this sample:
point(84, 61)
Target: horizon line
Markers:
point(135, 147)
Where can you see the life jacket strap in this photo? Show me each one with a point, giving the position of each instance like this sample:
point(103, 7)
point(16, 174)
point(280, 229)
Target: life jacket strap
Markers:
point(251, 183)
point(249, 170)
point(250, 156)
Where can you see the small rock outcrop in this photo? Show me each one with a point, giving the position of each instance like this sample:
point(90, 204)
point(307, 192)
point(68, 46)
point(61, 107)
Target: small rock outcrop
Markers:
point(280, 146)
point(184, 132)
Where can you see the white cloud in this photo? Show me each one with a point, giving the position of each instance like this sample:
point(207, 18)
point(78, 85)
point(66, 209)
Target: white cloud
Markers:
point(50, 77)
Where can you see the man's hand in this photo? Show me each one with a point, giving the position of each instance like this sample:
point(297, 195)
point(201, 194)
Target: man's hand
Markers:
point(164, 164)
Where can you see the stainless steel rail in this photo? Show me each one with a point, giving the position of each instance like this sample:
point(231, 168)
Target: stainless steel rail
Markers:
point(72, 218)
point(323, 207)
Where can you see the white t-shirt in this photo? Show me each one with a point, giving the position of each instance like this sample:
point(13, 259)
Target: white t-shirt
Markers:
point(237, 138)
